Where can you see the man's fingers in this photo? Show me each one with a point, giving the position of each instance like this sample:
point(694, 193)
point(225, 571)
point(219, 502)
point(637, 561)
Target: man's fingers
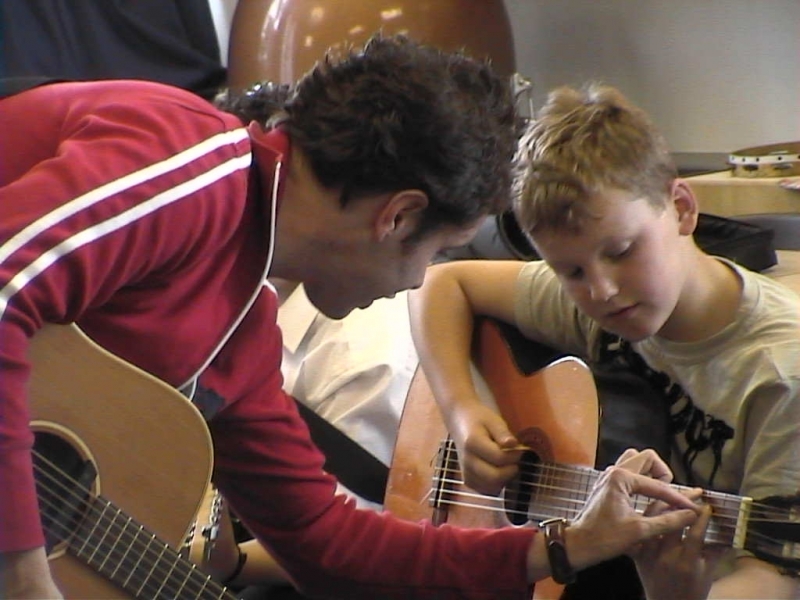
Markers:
point(656, 507)
point(658, 490)
point(645, 462)
point(627, 455)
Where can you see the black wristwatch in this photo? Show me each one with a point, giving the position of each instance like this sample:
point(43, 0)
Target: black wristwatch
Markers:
point(560, 569)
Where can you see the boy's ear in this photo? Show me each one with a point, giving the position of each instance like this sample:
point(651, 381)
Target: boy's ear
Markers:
point(686, 207)
point(400, 214)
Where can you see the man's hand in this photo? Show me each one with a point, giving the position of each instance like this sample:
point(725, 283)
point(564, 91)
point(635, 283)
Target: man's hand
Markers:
point(26, 574)
point(608, 525)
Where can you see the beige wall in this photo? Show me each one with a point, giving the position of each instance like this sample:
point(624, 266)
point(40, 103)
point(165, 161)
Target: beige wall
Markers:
point(716, 75)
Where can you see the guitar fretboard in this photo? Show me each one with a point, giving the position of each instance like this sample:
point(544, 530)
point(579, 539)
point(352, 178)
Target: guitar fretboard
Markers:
point(127, 554)
point(116, 546)
point(562, 491)
point(545, 491)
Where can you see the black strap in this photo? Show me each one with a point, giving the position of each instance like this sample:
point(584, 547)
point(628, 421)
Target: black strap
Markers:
point(356, 468)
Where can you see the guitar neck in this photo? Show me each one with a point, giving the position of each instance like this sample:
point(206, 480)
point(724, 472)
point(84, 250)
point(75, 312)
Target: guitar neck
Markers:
point(113, 544)
point(562, 491)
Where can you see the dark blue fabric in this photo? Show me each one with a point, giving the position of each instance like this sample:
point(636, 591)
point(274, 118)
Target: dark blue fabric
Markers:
point(170, 41)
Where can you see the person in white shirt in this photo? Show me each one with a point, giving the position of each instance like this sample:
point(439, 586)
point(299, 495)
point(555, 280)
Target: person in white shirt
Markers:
point(353, 372)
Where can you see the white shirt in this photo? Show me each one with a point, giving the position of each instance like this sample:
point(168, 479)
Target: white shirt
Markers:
point(354, 372)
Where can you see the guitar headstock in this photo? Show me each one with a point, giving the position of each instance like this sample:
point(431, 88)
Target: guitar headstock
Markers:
point(773, 531)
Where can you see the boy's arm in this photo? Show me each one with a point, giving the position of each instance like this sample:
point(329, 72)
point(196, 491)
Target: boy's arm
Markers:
point(754, 578)
point(684, 568)
point(442, 312)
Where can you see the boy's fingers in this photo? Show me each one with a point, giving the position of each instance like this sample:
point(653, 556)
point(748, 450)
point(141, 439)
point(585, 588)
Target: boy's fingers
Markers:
point(695, 535)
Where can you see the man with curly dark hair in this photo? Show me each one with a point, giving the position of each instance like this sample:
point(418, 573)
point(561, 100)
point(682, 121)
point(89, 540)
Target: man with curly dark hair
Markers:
point(151, 219)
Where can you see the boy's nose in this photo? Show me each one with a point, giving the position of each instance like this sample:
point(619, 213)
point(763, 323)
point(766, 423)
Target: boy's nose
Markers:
point(602, 287)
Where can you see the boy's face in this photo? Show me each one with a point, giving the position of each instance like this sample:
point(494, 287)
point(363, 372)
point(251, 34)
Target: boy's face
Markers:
point(626, 269)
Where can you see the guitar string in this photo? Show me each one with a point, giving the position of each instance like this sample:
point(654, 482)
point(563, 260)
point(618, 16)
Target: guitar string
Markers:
point(590, 474)
point(770, 546)
point(448, 454)
point(720, 515)
point(729, 501)
point(546, 510)
point(194, 582)
point(550, 510)
point(91, 508)
point(199, 581)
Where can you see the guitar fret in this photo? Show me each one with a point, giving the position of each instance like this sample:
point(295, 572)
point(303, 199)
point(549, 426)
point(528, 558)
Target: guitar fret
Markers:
point(118, 563)
point(123, 560)
point(113, 544)
point(127, 584)
point(166, 587)
point(562, 491)
point(93, 558)
point(103, 545)
point(90, 534)
point(553, 490)
point(149, 576)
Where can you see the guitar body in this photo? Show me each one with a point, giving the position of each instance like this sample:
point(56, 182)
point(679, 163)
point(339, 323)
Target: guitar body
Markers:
point(553, 410)
point(551, 404)
point(149, 445)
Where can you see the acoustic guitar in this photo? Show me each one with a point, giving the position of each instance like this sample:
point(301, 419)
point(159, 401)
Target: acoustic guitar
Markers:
point(122, 461)
point(553, 411)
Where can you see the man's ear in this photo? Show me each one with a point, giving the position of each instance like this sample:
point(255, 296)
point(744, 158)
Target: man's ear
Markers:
point(400, 214)
point(685, 203)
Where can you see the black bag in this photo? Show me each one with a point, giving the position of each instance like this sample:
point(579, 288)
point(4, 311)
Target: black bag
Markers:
point(751, 246)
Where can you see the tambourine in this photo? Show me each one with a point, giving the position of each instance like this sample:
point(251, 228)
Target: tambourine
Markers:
point(773, 160)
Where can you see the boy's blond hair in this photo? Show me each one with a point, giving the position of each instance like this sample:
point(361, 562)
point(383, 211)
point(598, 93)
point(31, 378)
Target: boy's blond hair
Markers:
point(583, 142)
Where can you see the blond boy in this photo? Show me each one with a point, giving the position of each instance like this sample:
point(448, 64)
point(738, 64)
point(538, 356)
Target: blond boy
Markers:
point(599, 197)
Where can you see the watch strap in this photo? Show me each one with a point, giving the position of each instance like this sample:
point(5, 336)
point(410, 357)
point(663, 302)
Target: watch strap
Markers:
point(560, 568)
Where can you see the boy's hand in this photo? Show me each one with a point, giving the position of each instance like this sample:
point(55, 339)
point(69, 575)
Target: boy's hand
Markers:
point(487, 451)
point(679, 564)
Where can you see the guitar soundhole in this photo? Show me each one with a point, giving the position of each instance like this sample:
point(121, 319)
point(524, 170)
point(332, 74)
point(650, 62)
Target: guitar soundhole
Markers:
point(518, 494)
point(64, 482)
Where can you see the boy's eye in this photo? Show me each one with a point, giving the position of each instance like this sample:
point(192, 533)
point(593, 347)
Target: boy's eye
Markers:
point(621, 252)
